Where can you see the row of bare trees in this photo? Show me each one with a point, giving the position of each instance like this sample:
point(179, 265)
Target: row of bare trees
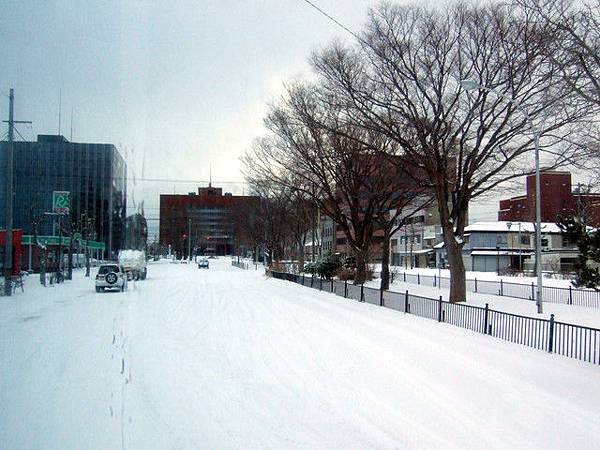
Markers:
point(439, 104)
point(278, 222)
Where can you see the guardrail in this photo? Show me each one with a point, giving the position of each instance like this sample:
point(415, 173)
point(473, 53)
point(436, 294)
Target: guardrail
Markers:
point(574, 341)
point(550, 294)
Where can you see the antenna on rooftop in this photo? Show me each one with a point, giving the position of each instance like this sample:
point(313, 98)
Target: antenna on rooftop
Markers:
point(209, 175)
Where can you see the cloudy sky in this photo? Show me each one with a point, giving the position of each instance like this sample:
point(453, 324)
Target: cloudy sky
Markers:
point(176, 85)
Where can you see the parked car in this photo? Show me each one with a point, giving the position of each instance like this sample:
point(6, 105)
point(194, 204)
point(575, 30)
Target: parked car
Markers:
point(203, 264)
point(111, 276)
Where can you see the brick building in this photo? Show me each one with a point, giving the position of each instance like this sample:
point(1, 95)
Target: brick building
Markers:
point(558, 199)
point(205, 218)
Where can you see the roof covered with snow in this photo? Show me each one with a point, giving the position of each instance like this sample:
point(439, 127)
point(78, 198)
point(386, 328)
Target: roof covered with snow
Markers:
point(526, 227)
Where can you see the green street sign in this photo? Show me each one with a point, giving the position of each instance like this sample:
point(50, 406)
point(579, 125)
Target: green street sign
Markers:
point(61, 202)
point(53, 240)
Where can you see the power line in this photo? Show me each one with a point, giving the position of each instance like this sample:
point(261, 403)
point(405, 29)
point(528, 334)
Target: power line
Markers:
point(334, 20)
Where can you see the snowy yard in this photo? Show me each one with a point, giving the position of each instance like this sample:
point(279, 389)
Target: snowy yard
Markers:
point(579, 315)
point(225, 358)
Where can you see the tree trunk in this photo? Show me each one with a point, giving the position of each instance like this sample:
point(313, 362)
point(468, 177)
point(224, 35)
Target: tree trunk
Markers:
point(87, 260)
point(361, 267)
point(385, 261)
point(301, 258)
point(70, 260)
point(458, 287)
point(43, 259)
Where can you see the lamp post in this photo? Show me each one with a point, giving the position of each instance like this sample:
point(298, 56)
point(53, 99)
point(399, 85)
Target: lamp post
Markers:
point(509, 246)
point(472, 85)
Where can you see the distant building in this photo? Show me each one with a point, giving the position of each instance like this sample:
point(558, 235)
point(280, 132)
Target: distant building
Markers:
point(94, 174)
point(558, 199)
point(413, 244)
point(328, 235)
point(205, 221)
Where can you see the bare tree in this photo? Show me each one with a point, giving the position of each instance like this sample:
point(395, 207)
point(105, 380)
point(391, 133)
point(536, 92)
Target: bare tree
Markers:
point(403, 80)
point(574, 29)
point(343, 167)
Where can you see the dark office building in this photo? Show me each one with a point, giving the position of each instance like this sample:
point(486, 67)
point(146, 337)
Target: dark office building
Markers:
point(94, 174)
point(209, 216)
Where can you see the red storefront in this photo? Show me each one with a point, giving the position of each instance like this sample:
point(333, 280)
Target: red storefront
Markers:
point(17, 250)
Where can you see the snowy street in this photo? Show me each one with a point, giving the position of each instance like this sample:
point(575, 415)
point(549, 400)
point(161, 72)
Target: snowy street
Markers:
point(225, 358)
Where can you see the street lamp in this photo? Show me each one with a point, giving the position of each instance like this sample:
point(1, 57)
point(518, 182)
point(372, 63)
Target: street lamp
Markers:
point(472, 85)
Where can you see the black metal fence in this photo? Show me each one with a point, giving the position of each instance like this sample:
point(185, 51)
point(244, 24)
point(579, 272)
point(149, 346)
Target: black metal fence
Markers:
point(550, 294)
point(574, 341)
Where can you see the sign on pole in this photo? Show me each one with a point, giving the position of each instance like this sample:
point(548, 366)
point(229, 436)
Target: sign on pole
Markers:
point(61, 202)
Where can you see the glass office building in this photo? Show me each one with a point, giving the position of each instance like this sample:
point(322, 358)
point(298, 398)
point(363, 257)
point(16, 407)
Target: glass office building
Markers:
point(94, 174)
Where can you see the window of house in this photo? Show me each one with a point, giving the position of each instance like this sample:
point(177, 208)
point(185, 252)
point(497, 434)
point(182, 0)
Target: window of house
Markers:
point(394, 242)
point(524, 239)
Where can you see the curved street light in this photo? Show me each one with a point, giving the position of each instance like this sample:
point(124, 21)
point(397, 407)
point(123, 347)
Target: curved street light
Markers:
point(470, 85)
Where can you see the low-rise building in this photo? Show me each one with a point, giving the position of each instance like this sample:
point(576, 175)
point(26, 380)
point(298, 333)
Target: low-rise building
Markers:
point(510, 246)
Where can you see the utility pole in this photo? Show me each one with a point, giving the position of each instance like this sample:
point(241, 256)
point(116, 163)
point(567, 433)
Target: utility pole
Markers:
point(8, 244)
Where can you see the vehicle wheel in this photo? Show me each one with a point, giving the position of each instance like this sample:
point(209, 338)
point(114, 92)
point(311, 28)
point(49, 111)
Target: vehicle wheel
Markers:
point(144, 274)
point(98, 289)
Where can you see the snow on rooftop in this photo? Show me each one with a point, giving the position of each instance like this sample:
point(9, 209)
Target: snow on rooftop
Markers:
point(547, 227)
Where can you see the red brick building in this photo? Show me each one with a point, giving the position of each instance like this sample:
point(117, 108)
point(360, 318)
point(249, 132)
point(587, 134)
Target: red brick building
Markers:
point(558, 199)
point(202, 221)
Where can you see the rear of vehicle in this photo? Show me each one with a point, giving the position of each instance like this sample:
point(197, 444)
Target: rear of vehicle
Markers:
point(134, 263)
point(111, 276)
point(203, 264)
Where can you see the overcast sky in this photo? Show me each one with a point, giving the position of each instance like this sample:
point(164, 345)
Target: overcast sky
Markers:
point(175, 85)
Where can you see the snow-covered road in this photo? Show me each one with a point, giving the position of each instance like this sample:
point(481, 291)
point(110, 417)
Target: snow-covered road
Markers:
point(225, 358)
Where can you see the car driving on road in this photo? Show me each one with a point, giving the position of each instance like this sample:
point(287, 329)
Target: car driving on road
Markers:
point(203, 263)
point(111, 276)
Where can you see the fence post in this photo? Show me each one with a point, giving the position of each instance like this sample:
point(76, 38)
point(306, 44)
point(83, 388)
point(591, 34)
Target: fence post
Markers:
point(570, 296)
point(404, 273)
point(332, 285)
point(392, 277)
point(406, 310)
point(418, 278)
point(302, 279)
point(434, 280)
point(486, 318)
point(551, 334)
point(345, 288)
point(320, 284)
point(532, 292)
point(440, 309)
point(380, 297)
point(501, 287)
point(475, 284)
point(362, 292)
